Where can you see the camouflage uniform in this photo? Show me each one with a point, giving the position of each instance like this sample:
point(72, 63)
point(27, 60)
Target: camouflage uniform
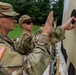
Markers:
point(26, 43)
point(34, 64)
point(57, 35)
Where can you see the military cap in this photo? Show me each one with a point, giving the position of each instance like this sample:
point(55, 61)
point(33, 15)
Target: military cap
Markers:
point(25, 18)
point(7, 9)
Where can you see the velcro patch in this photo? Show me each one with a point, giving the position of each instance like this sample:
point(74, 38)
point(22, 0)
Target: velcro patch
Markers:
point(2, 50)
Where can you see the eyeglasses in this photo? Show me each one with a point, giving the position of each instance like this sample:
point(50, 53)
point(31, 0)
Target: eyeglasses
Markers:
point(27, 22)
point(10, 17)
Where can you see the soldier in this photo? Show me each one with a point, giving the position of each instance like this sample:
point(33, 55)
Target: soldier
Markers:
point(13, 63)
point(25, 43)
point(27, 40)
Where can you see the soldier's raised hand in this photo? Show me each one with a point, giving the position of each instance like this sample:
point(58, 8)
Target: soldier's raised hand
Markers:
point(48, 25)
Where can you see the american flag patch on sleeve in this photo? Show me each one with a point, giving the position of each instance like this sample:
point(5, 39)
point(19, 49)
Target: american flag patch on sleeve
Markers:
point(2, 50)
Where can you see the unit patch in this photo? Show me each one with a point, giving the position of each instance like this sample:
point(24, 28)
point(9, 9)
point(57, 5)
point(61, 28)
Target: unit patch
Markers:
point(2, 50)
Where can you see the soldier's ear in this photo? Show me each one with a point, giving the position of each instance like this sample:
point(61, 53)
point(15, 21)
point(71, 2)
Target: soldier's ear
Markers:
point(22, 25)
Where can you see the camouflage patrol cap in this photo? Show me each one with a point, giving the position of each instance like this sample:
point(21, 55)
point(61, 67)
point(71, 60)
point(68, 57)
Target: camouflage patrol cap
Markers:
point(7, 9)
point(25, 18)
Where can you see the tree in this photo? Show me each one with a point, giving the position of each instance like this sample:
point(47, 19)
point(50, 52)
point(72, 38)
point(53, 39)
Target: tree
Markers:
point(57, 7)
point(38, 8)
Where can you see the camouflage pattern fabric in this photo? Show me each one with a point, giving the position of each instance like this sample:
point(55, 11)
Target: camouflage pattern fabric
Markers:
point(25, 18)
point(26, 43)
point(12, 63)
point(57, 35)
point(7, 9)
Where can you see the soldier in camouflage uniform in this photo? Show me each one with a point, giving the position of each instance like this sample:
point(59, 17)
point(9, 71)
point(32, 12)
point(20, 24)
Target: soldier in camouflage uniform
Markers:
point(13, 63)
point(25, 44)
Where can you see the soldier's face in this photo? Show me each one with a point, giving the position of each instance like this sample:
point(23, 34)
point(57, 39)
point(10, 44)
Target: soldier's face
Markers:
point(27, 26)
point(7, 23)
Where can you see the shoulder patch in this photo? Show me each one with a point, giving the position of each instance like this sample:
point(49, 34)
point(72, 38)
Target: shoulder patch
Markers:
point(2, 50)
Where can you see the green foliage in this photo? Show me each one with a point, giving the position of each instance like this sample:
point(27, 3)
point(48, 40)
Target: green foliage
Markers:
point(38, 8)
point(58, 11)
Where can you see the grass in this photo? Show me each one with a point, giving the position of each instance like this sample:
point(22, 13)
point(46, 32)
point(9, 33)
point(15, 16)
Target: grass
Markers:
point(18, 31)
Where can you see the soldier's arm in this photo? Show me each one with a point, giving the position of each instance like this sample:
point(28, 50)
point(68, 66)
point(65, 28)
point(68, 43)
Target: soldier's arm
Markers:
point(57, 35)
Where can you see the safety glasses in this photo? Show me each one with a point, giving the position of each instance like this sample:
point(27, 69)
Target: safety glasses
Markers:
point(27, 22)
point(10, 17)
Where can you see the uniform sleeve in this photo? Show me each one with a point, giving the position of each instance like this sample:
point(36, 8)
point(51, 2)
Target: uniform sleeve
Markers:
point(39, 59)
point(57, 35)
